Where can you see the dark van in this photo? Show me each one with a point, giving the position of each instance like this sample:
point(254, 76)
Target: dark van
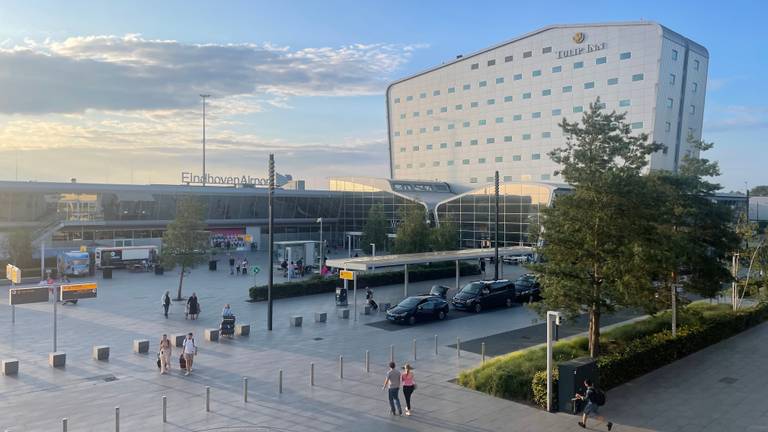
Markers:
point(479, 295)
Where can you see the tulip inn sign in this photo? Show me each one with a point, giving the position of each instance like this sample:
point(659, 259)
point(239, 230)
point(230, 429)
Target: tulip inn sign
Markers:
point(579, 38)
point(190, 178)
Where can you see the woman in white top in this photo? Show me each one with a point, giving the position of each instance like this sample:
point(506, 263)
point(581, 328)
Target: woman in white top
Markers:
point(190, 349)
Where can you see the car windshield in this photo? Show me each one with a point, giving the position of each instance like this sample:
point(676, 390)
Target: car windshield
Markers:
point(409, 302)
point(472, 288)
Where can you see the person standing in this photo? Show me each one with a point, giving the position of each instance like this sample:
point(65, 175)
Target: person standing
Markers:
point(231, 263)
point(594, 398)
point(238, 268)
point(482, 266)
point(165, 355)
point(189, 352)
point(193, 306)
point(406, 378)
point(392, 385)
point(166, 302)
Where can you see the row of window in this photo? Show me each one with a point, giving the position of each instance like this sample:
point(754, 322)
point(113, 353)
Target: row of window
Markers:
point(482, 160)
point(516, 117)
point(523, 177)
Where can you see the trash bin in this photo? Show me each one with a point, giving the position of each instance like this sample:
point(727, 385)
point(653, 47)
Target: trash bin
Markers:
point(212, 265)
point(572, 375)
point(106, 273)
point(159, 270)
point(341, 296)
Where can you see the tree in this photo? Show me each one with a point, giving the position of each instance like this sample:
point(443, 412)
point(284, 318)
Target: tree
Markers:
point(185, 240)
point(445, 236)
point(18, 245)
point(375, 229)
point(594, 235)
point(413, 234)
point(759, 191)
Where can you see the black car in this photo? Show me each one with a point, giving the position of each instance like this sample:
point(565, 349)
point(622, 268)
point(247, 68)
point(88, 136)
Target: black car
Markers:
point(527, 288)
point(439, 291)
point(479, 295)
point(418, 308)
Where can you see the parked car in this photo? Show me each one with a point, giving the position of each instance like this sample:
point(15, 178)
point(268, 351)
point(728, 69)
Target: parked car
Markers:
point(479, 295)
point(418, 308)
point(439, 291)
point(527, 288)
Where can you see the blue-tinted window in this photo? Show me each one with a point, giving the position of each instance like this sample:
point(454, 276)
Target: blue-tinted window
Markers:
point(458, 107)
point(481, 122)
point(402, 116)
point(625, 56)
point(536, 73)
point(557, 69)
point(409, 132)
point(430, 112)
point(451, 89)
point(526, 95)
point(465, 162)
point(578, 65)
point(499, 159)
point(490, 101)
point(613, 81)
point(429, 146)
point(517, 158)
point(556, 112)
point(536, 156)
point(490, 140)
point(474, 104)
point(637, 125)
point(409, 98)
point(422, 96)
point(546, 134)
point(451, 126)
point(457, 144)
point(637, 77)
point(481, 160)
point(578, 109)
point(600, 60)
point(545, 176)
point(624, 103)
point(517, 77)
point(422, 130)
point(443, 109)
point(435, 128)
point(507, 98)
point(500, 80)
point(449, 163)
point(526, 137)
point(436, 93)
point(499, 119)
point(465, 124)
point(546, 92)
point(397, 100)
point(473, 142)
point(508, 138)
point(443, 145)
point(415, 113)
point(536, 115)
point(567, 89)
point(483, 83)
point(467, 86)
point(589, 85)
point(517, 117)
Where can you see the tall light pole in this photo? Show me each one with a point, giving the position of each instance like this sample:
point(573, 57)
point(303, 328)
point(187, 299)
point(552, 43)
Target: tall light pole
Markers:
point(373, 249)
point(322, 246)
point(271, 239)
point(496, 228)
point(204, 97)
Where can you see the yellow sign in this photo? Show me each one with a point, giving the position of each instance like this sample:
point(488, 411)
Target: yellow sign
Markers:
point(78, 291)
point(83, 248)
point(13, 273)
point(347, 275)
point(248, 238)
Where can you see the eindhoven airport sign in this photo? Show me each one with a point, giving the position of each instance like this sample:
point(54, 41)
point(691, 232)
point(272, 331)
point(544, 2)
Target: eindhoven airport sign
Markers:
point(190, 178)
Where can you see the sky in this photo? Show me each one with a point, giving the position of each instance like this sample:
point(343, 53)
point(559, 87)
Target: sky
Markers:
point(108, 92)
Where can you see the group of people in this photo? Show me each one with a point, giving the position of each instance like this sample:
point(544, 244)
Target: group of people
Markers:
point(228, 241)
point(392, 383)
point(293, 270)
point(188, 353)
point(238, 266)
point(191, 310)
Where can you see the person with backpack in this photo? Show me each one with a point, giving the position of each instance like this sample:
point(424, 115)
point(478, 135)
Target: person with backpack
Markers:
point(188, 352)
point(595, 398)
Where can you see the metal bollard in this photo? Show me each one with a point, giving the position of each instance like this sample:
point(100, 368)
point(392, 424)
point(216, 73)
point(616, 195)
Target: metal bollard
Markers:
point(245, 389)
point(117, 419)
point(207, 398)
point(414, 349)
point(458, 347)
point(64, 422)
point(435, 344)
point(165, 409)
point(367, 361)
point(311, 374)
point(280, 381)
point(391, 353)
point(482, 351)
point(341, 367)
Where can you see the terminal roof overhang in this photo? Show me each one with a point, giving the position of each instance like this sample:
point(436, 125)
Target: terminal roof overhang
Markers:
point(367, 263)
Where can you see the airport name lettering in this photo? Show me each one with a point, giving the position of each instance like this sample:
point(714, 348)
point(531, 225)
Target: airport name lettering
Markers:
point(581, 50)
point(189, 178)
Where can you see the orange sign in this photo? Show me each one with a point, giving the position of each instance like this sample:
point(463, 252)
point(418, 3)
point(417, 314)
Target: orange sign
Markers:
point(78, 291)
point(347, 274)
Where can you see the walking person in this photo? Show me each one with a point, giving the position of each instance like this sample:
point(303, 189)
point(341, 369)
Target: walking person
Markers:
point(231, 264)
point(166, 302)
point(408, 387)
point(193, 306)
point(392, 385)
point(189, 352)
point(595, 398)
point(369, 299)
point(165, 355)
point(238, 268)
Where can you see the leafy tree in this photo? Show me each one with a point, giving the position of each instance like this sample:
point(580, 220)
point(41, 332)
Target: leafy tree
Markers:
point(375, 229)
point(18, 245)
point(413, 233)
point(445, 236)
point(594, 236)
point(185, 240)
point(761, 190)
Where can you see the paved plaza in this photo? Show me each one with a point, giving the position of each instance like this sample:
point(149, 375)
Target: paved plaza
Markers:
point(128, 307)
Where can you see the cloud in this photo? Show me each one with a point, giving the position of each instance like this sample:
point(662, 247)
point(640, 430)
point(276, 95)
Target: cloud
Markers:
point(132, 73)
point(736, 118)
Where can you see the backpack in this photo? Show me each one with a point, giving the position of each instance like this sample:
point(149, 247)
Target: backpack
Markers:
point(597, 397)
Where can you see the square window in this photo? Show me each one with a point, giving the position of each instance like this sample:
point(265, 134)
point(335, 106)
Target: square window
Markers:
point(527, 54)
point(443, 109)
point(473, 179)
point(526, 95)
point(429, 146)
point(507, 59)
point(415, 148)
point(637, 125)
point(490, 140)
point(526, 137)
point(546, 134)
point(409, 98)
point(507, 178)
point(578, 65)
point(430, 112)
point(600, 105)
point(422, 96)
point(465, 124)
point(500, 80)
point(517, 77)
point(483, 83)
point(567, 89)
point(481, 160)
point(466, 87)
point(409, 132)
point(546, 50)
point(474, 105)
point(402, 116)
point(546, 92)
point(536, 73)
point(557, 69)
point(436, 163)
point(409, 165)
point(397, 133)
point(422, 130)
point(415, 114)
point(435, 128)
point(507, 98)
point(474, 66)
point(449, 163)
point(451, 126)
point(667, 126)
point(451, 89)
point(613, 81)
point(578, 109)
point(624, 103)
point(480, 122)
point(670, 102)
point(499, 159)
point(589, 85)
point(436, 93)
point(695, 65)
point(517, 158)
point(637, 77)
point(473, 142)
point(397, 100)
point(457, 144)
point(443, 145)
point(458, 107)
point(517, 117)
point(625, 56)
point(536, 156)
point(692, 109)
point(508, 138)
point(674, 54)
point(556, 112)
point(600, 60)
point(490, 101)
point(545, 176)
point(536, 115)
point(694, 87)
point(672, 79)
point(402, 149)
point(491, 62)
point(501, 119)
point(465, 162)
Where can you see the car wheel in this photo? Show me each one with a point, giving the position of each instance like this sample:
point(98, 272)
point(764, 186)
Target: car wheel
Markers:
point(412, 320)
point(508, 302)
point(478, 308)
point(441, 315)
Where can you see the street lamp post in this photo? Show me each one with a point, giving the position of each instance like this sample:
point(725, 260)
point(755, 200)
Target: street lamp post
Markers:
point(322, 246)
point(496, 228)
point(349, 245)
point(204, 97)
point(271, 239)
point(373, 249)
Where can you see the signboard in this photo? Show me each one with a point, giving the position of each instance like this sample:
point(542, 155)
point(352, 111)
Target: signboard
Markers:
point(248, 238)
point(78, 291)
point(83, 248)
point(347, 274)
point(208, 179)
point(17, 296)
point(13, 273)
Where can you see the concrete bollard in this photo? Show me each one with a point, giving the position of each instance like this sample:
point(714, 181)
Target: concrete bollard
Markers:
point(414, 349)
point(482, 351)
point(165, 409)
point(341, 367)
point(367, 361)
point(57, 359)
point(343, 313)
point(178, 340)
point(321, 317)
point(280, 381)
point(242, 329)
point(245, 389)
point(10, 367)
point(391, 353)
point(207, 398)
point(296, 321)
point(64, 422)
point(311, 374)
point(100, 352)
point(141, 346)
point(211, 335)
point(117, 419)
point(366, 310)
point(458, 347)
point(435, 344)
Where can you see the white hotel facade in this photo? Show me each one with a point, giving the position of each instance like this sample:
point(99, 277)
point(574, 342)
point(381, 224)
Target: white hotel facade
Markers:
point(499, 108)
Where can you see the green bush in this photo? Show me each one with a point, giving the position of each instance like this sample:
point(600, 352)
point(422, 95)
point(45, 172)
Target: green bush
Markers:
point(539, 388)
point(318, 284)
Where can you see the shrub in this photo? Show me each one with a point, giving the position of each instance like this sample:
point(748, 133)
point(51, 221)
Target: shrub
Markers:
point(318, 284)
point(539, 388)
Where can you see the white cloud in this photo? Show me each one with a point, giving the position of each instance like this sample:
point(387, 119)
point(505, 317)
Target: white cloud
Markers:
point(736, 118)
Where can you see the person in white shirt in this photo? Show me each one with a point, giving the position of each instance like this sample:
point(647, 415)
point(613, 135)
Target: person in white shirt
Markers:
point(189, 350)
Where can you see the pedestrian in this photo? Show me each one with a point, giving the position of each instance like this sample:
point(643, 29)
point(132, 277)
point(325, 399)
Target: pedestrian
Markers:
point(284, 266)
point(408, 386)
point(189, 352)
point(238, 268)
point(595, 398)
point(369, 299)
point(482, 266)
point(165, 355)
point(392, 385)
point(227, 311)
point(245, 266)
point(166, 302)
point(231, 264)
point(193, 306)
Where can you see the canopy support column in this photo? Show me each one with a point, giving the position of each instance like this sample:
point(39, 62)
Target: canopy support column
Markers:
point(406, 280)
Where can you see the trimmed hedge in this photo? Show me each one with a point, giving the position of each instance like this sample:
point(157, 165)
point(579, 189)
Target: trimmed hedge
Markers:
point(319, 285)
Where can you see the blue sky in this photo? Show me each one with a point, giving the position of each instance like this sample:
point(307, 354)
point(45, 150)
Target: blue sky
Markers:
point(329, 119)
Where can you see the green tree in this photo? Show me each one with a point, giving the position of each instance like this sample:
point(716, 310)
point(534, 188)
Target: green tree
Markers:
point(413, 233)
point(593, 236)
point(375, 229)
point(18, 245)
point(185, 241)
point(445, 236)
point(761, 190)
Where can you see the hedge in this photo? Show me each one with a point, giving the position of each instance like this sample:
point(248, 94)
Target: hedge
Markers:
point(318, 284)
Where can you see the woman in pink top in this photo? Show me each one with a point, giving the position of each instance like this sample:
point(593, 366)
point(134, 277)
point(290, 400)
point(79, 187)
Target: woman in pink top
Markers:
point(406, 379)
